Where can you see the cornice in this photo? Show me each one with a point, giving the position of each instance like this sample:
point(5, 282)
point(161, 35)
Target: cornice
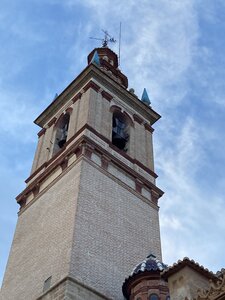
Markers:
point(86, 126)
point(105, 81)
point(69, 278)
point(85, 146)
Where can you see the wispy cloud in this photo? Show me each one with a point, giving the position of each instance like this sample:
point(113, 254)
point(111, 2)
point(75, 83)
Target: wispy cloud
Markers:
point(166, 47)
point(163, 50)
point(16, 116)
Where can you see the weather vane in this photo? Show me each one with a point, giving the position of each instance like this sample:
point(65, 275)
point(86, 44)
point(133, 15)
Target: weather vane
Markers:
point(107, 39)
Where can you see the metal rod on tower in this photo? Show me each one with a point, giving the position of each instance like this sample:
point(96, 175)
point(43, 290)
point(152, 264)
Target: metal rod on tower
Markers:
point(107, 39)
point(119, 43)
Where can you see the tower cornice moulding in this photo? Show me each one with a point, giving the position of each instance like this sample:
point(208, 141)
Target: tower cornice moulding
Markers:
point(104, 81)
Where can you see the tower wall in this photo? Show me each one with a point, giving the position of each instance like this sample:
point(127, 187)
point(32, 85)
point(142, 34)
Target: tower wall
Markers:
point(89, 211)
point(43, 240)
point(114, 228)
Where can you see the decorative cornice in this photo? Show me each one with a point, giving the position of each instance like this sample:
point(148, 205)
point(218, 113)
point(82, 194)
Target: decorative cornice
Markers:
point(41, 132)
point(76, 97)
point(83, 146)
point(91, 71)
point(86, 126)
point(154, 196)
point(126, 168)
point(106, 95)
point(148, 127)
point(68, 278)
point(138, 185)
point(91, 85)
point(52, 121)
point(121, 152)
point(138, 119)
point(46, 164)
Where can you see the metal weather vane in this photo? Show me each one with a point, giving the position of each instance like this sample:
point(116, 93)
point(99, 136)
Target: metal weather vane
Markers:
point(107, 39)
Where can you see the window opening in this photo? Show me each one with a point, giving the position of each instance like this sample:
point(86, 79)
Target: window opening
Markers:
point(154, 297)
point(61, 133)
point(120, 134)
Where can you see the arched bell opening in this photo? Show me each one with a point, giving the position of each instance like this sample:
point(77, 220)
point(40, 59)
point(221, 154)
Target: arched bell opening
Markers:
point(61, 132)
point(120, 130)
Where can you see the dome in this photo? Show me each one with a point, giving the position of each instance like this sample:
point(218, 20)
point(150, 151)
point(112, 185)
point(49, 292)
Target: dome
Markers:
point(149, 264)
point(146, 274)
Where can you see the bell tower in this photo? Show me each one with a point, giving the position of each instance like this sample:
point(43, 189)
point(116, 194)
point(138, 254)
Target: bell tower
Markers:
point(89, 211)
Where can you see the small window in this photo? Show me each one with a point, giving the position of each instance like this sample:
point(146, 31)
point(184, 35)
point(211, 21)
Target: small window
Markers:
point(153, 297)
point(120, 135)
point(61, 132)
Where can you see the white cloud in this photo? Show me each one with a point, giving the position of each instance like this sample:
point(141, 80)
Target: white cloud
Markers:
point(17, 115)
point(161, 50)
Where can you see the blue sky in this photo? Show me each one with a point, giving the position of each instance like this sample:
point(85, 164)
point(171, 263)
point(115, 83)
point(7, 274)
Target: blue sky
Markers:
point(173, 48)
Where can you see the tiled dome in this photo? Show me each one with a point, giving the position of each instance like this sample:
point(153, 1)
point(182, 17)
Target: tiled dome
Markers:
point(148, 272)
point(149, 264)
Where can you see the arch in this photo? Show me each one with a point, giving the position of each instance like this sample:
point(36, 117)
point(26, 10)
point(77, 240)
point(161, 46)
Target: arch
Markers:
point(61, 131)
point(120, 130)
point(69, 110)
point(153, 297)
point(129, 118)
point(115, 108)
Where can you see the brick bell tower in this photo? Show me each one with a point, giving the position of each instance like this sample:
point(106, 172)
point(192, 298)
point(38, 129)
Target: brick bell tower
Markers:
point(89, 211)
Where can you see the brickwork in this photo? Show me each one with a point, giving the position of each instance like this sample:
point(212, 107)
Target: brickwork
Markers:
point(70, 289)
point(37, 153)
point(146, 287)
point(76, 108)
point(149, 150)
point(46, 146)
point(43, 240)
point(106, 122)
point(114, 229)
point(93, 109)
point(140, 139)
point(88, 221)
point(83, 110)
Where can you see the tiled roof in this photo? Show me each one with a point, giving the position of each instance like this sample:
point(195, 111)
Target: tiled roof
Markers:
point(150, 267)
point(192, 264)
point(149, 264)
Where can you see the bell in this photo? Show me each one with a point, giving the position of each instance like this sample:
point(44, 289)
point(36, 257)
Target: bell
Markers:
point(61, 143)
point(119, 141)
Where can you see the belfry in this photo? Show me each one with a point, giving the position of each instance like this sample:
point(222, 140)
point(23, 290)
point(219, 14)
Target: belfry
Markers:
point(89, 212)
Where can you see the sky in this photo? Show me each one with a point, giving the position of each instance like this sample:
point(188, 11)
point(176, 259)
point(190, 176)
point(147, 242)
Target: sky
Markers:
point(176, 50)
